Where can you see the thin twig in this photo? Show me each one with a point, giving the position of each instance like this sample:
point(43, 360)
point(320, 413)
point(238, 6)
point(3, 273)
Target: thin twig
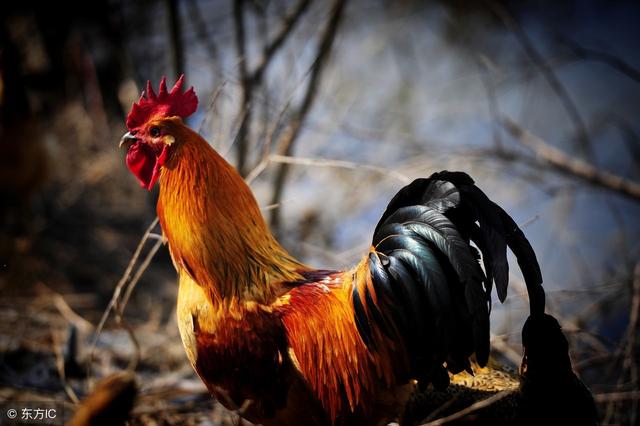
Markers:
point(592, 361)
point(116, 294)
point(286, 26)
point(246, 83)
point(482, 63)
point(270, 207)
point(249, 81)
point(602, 57)
point(240, 133)
point(243, 409)
point(137, 351)
point(175, 34)
point(435, 414)
point(143, 267)
point(211, 107)
point(530, 221)
point(630, 362)
point(470, 409)
point(617, 396)
point(60, 367)
point(199, 25)
point(571, 165)
point(581, 131)
point(257, 170)
point(66, 311)
point(266, 151)
point(70, 315)
point(133, 363)
point(341, 164)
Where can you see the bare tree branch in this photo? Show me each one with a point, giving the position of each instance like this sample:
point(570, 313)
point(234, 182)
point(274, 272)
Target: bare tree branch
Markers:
point(611, 120)
point(285, 146)
point(268, 140)
point(287, 24)
point(602, 57)
point(249, 81)
point(177, 52)
point(571, 165)
point(617, 397)
point(582, 133)
point(246, 84)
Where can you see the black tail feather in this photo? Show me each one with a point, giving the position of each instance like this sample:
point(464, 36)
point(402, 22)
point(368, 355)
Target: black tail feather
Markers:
point(426, 266)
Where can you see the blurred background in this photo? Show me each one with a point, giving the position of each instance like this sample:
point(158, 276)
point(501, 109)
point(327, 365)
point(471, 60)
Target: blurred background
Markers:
point(327, 108)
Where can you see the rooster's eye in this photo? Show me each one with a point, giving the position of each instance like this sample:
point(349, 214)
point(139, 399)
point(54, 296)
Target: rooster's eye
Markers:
point(154, 132)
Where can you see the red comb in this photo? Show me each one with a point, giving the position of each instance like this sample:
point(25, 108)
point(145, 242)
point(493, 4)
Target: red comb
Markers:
point(164, 104)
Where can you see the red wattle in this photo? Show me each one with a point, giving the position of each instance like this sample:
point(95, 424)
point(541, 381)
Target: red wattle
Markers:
point(145, 164)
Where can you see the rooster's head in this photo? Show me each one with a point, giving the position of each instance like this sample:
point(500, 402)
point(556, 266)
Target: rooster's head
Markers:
point(152, 124)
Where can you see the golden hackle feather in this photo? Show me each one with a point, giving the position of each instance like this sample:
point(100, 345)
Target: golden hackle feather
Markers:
point(214, 226)
point(328, 349)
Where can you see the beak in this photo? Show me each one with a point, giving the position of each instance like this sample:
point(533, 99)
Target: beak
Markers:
point(127, 140)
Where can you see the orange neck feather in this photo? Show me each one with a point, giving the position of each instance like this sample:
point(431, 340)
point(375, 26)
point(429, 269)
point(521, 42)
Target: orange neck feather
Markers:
point(214, 227)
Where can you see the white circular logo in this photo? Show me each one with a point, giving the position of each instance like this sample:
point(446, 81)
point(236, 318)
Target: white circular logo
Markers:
point(11, 413)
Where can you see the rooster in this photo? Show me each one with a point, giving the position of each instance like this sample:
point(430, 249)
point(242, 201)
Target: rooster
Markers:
point(294, 345)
